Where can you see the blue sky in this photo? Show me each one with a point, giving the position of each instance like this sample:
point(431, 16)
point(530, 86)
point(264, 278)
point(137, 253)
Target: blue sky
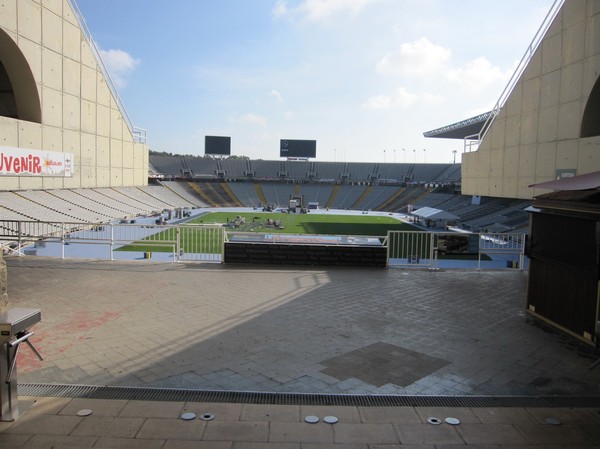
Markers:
point(365, 78)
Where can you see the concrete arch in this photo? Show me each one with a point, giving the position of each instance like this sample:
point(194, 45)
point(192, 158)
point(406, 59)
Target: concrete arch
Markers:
point(21, 99)
point(590, 122)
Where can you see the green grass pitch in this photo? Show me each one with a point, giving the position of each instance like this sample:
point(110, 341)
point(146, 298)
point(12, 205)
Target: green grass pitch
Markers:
point(321, 224)
point(315, 224)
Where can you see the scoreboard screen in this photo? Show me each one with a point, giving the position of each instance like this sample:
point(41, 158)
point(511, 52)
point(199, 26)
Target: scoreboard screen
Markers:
point(217, 145)
point(297, 148)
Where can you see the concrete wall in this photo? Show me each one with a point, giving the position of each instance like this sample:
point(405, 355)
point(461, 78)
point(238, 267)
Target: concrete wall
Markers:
point(79, 114)
point(538, 130)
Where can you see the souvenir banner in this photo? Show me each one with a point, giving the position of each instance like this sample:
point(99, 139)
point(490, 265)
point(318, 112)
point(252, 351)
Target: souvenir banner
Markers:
point(22, 162)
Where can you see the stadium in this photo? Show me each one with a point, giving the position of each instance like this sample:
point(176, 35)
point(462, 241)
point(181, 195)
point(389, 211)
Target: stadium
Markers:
point(262, 291)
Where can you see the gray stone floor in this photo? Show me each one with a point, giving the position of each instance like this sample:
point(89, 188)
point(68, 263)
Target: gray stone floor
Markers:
point(287, 329)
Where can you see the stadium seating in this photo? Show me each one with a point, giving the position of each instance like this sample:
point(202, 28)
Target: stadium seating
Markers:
point(377, 196)
point(198, 166)
point(183, 191)
point(168, 196)
point(393, 171)
point(169, 166)
point(347, 196)
point(277, 193)
point(246, 193)
point(234, 168)
point(18, 202)
point(266, 169)
point(78, 196)
point(296, 169)
point(249, 183)
point(317, 193)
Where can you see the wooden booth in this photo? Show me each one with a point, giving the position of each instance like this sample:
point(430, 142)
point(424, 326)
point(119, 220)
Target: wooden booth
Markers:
point(564, 252)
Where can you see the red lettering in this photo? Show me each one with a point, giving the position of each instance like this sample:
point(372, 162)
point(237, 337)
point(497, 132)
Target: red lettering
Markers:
point(7, 163)
point(25, 164)
point(36, 166)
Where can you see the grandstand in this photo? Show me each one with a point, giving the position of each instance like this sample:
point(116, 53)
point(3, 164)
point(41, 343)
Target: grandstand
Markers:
point(390, 187)
point(198, 182)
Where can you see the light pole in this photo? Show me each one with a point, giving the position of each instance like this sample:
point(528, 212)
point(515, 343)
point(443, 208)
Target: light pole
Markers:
point(404, 153)
point(415, 156)
point(384, 156)
point(424, 156)
point(394, 155)
point(454, 159)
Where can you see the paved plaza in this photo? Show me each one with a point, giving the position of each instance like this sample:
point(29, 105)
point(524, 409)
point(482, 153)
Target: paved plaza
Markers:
point(283, 329)
point(287, 329)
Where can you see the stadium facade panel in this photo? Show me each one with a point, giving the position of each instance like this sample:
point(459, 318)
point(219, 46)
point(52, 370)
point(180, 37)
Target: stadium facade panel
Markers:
point(537, 135)
point(59, 100)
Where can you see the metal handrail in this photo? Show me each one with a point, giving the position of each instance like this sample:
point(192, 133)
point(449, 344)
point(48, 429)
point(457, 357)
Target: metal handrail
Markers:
point(138, 134)
point(415, 249)
point(474, 140)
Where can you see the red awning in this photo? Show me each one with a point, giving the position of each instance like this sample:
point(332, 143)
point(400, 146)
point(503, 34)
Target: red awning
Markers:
point(581, 182)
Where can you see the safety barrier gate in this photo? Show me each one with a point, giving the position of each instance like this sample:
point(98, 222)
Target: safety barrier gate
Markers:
point(178, 242)
point(205, 243)
point(433, 250)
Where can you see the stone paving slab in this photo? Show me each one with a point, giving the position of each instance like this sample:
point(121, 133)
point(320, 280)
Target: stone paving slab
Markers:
point(53, 423)
point(274, 328)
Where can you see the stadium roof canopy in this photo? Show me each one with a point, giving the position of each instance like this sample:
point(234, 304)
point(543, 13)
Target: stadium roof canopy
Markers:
point(460, 130)
point(434, 214)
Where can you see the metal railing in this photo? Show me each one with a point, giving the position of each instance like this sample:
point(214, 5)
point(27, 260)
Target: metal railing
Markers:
point(434, 250)
point(138, 134)
point(206, 243)
point(112, 241)
point(471, 143)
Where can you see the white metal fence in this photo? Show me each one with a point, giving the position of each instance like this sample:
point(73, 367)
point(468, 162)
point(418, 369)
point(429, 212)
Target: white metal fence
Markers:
point(205, 243)
point(115, 241)
point(412, 249)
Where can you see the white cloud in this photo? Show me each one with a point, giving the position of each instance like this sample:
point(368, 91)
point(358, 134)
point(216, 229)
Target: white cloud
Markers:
point(252, 119)
point(478, 74)
point(433, 99)
point(119, 64)
point(275, 93)
point(317, 10)
point(401, 98)
point(420, 57)
point(280, 9)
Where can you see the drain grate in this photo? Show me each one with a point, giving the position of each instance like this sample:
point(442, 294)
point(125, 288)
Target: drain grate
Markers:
point(248, 397)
